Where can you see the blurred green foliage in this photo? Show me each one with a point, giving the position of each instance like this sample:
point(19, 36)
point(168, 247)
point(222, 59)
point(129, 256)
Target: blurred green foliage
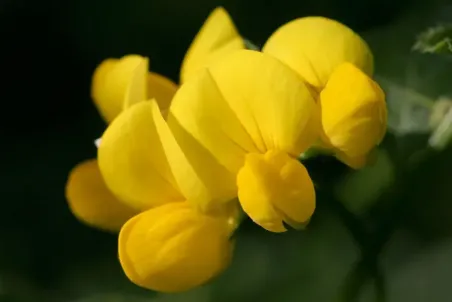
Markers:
point(436, 39)
point(380, 234)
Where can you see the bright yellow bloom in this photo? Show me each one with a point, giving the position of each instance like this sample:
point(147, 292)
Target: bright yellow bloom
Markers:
point(139, 172)
point(315, 46)
point(242, 123)
point(169, 246)
point(335, 60)
point(353, 115)
point(217, 38)
point(116, 84)
point(174, 248)
point(119, 83)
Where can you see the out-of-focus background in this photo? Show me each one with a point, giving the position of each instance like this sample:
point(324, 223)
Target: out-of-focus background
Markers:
point(381, 234)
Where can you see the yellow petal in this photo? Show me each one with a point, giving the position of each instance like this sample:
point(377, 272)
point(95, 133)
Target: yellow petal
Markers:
point(315, 46)
point(90, 200)
point(133, 160)
point(111, 81)
point(136, 90)
point(174, 248)
point(161, 89)
point(274, 188)
point(354, 114)
point(270, 100)
point(98, 80)
point(200, 108)
point(217, 38)
point(202, 122)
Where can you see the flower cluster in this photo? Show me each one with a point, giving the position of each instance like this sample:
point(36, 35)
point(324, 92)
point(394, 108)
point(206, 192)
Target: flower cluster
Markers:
point(177, 166)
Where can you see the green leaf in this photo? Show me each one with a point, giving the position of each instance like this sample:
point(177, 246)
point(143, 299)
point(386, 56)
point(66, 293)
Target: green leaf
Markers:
point(437, 39)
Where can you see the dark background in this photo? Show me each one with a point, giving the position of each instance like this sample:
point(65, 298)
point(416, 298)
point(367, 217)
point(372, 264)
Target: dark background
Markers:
point(48, 52)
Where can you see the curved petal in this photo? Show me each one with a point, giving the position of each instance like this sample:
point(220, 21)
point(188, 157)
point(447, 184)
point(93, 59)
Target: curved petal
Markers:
point(133, 160)
point(270, 100)
point(217, 38)
point(201, 122)
point(161, 89)
point(201, 110)
point(136, 90)
point(354, 114)
point(174, 248)
point(98, 84)
point(274, 188)
point(111, 81)
point(90, 200)
point(315, 46)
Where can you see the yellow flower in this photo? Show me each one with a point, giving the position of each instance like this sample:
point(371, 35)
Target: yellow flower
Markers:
point(116, 84)
point(242, 123)
point(169, 246)
point(186, 248)
point(217, 38)
point(335, 60)
point(315, 46)
point(353, 106)
point(119, 83)
point(353, 115)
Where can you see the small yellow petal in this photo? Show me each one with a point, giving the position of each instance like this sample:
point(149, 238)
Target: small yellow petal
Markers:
point(161, 89)
point(200, 108)
point(202, 122)
point(269, 99)
point(98, 79)
point(354, 114)
point(217, 38)
point(133, 160)
point(275, 188)
point(136, 90)
point(111, 81)
point(315, 46)
point(90, 200)
point(173, 248)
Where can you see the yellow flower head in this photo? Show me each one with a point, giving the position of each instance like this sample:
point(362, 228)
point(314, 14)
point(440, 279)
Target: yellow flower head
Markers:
point(315, 46)
point(216, 38)
point(169, 246)
point(242, 123)
point(117, 84)
point(174, 248)
point(353, 114)
point(336, 62)
point(120, 83)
